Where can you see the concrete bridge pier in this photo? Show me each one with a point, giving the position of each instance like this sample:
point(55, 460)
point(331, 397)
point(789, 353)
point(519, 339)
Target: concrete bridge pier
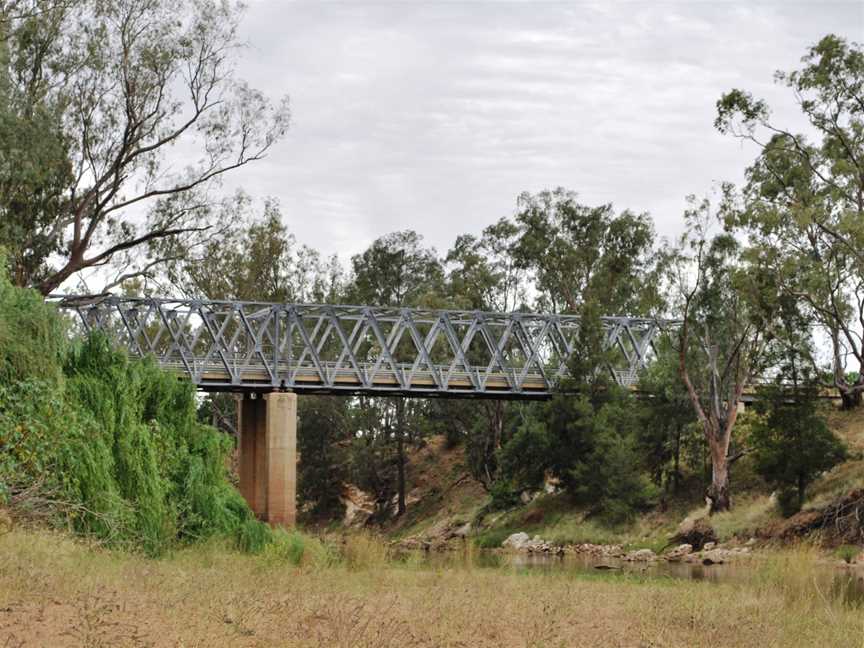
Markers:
point(268, 455)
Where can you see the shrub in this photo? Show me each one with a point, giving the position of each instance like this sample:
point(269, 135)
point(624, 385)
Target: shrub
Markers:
point(493, 538)
point(108, 446)
point(848, 553)
point(792, 444)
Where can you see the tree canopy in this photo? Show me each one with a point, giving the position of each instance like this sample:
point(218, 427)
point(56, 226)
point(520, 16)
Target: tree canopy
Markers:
point(103, 90)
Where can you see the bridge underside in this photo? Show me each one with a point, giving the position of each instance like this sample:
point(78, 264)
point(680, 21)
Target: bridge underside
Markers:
point(243, 346)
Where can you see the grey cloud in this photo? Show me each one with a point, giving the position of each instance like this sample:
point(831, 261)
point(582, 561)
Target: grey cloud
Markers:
point(435, 116)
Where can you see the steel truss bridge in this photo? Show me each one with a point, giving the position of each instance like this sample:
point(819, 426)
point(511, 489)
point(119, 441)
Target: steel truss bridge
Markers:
point(253, 346)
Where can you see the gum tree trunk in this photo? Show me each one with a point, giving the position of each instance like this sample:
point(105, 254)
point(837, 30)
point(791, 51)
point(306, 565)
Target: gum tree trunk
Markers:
point(850, 399)
point(718, 491)
point(400, 450)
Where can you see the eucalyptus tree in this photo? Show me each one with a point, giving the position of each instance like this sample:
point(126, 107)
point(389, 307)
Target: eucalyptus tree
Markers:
point(136, 115)
point(257, 259)
point(579, 254)
point(667, 418)
point(803, 204)
point(723, 337)
point(396, 270)
point(588, 261)
point(483, 273)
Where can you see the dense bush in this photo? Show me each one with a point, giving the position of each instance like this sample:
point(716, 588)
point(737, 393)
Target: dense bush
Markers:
point(106, 445)
point(586, 440)
point(321, 425)
point(792, 443)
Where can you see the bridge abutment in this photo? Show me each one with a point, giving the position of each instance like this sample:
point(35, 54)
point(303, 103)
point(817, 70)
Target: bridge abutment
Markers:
point(268, 455)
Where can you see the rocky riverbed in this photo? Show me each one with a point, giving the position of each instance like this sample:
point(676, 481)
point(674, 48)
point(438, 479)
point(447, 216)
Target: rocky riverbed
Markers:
point(709, 554)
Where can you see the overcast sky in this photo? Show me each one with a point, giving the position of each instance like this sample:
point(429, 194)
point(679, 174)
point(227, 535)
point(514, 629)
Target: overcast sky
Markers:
point(435, 116)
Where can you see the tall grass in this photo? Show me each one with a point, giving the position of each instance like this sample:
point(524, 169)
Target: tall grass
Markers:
point(206, 594)
point(363, 550)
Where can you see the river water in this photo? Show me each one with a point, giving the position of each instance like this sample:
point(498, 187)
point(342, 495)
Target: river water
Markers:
point(845, 584)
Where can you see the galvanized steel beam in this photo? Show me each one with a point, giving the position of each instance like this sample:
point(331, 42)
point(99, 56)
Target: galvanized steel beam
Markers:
point(242, 346)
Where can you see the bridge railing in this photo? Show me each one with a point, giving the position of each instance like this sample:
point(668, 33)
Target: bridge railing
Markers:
point(225, 345)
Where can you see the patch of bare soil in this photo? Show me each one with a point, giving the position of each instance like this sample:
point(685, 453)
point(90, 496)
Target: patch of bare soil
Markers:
point(442, 492)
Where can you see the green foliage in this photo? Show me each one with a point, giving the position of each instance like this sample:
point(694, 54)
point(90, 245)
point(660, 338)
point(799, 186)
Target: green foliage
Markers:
point(35, 170)
point(801, 206)
point(258, 259)
point(584, 254)
point(31, 339)
point(609, 476)
point(322, 424)
point(503, 493)
point(70, 141)
point(112, 445)
point(596, 455)
point(526, 457)
point(252, 536)
point(493, 538)
point(668, 427)
point(396, 270)
point(586, 439)
point(792, 444)
point(848, 553)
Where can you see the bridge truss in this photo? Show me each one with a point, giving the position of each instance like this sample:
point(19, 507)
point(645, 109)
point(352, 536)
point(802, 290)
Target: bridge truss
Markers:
point(248, 346)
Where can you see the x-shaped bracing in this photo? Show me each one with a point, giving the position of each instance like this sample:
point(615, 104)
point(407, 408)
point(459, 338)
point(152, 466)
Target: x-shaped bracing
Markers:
point(232, 346)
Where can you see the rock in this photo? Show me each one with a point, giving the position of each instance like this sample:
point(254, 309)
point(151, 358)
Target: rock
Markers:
point(523, 542)
point(414, 544)
point(526, 497)
point(359, 506)
point(695, 532)
point(462, 531)
point(720, 556)
point(676, 554)
point(750, 542)
point(551, 485)
point(440, 530)
point(715, 557)
point(517, 541)
point(708, 546)
point(599, 551)
point(641, 555)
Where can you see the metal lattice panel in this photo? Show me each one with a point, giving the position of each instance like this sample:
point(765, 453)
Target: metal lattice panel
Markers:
point(227, 346)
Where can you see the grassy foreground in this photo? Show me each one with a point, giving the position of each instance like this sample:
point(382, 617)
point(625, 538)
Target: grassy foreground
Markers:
point(54, 591)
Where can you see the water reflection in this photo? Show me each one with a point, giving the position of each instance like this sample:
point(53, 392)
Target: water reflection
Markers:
point(845, 584)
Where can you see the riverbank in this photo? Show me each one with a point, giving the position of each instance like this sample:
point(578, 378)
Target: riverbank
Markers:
point(59, 592)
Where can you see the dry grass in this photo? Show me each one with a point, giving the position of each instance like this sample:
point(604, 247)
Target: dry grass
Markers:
point(55, 592)
point(848, 476)
point(749, 512)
